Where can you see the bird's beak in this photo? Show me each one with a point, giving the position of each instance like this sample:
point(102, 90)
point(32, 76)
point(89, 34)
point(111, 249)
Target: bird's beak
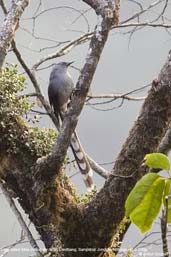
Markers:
point(69, 63)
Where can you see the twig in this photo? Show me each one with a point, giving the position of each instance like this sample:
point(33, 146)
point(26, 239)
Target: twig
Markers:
point(64, 50)
point(144, 24)
point(142, 241)
point(98, 169)
point(163, 11)
point(39, 112)
point(116, 96)
point(29, 95)
point(164, 229)
point(3, 7)
point(136, 15)
point(19, 217)
point(7, 249)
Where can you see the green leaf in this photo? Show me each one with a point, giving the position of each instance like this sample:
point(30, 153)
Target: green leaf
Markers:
point(157, 161)
point(169, 214)
point(167, 193)
point(146, 212)
point(144, 202)
point(139, 191)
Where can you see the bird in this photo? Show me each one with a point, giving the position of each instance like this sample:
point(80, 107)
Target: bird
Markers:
point(60, 90)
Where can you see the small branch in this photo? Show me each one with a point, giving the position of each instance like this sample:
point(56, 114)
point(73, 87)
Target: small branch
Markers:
point(39, 112)
point(113, 97)
point(7, 249)
point(142, 241)
point(138, 14)
point(19, 218)
point(97, 168)
point(87, 36)
point(165, 145)
point(3, 7)
point(64, 50)
point(143, 24)
point(164, 229)
point(116, 96)
point(30, 95)
point(163, 11)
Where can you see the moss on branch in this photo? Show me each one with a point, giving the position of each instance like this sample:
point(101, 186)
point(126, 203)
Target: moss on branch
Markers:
point(15, 133)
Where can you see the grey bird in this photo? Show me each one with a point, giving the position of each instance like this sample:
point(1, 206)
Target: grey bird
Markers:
point(60, 88)
point(59, 91)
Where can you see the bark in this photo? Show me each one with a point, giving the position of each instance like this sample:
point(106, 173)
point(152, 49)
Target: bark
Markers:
point(165, 145)
point(10, 25)
point(99, 6)
point(106, 211)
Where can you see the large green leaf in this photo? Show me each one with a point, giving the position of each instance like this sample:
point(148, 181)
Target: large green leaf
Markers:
point(167, 193)
point(146, 212)
point(144, 202)
point(157, 161)
point(138, 193)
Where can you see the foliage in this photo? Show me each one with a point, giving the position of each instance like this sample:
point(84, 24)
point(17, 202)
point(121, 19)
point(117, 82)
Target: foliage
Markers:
point(87, 197)
point(10, 85)
point(12, 107)
point(41, 139)
point(150, 193)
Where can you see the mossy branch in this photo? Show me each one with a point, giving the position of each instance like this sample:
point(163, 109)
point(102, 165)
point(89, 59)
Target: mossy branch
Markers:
point(20, 147)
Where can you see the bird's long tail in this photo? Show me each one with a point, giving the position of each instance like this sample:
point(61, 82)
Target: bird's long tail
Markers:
point(82, 161)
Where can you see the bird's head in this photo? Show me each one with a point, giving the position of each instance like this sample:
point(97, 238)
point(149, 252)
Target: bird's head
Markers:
point(62, 65)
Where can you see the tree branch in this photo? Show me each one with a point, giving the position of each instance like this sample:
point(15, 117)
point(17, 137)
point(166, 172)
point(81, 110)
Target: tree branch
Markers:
point(164, 229)
point(116, 96)
point(97, 168)
point(144, 24)
point(99, 6)
point(63, 50)
point(20, 218)
point(10, 25)
point(106, 211)
point(165, 145)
